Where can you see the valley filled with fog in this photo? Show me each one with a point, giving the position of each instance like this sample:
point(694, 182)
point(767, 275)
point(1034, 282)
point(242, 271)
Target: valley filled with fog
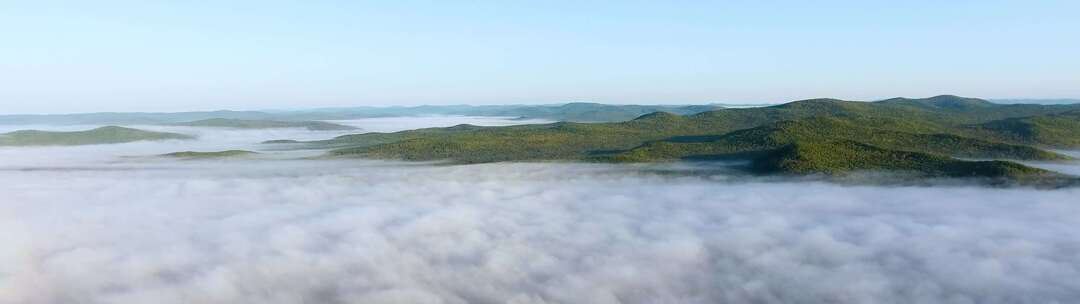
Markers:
point(116, 224)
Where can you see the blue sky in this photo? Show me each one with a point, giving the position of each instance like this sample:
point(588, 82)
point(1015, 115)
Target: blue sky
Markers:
point(193, 55)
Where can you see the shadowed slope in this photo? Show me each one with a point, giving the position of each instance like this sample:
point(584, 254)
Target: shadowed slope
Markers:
point(1054, 130)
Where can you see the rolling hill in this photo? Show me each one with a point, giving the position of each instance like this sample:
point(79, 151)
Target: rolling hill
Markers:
point(945, 129)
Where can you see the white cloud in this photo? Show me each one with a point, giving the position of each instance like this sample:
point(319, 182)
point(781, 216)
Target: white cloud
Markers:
point(82, 225)
point(361, 232)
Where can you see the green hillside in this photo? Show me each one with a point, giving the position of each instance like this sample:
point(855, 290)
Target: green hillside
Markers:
point(822, 129)
point(941, 128)
point(1053, 130)
point(265, 124)
point(102, 135)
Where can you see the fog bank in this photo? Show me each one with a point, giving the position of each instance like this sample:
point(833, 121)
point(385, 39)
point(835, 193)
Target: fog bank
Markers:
point(364, 232)
point(105, 224)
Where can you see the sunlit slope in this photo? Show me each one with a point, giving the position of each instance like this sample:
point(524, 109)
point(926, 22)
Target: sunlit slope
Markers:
point(102, 135)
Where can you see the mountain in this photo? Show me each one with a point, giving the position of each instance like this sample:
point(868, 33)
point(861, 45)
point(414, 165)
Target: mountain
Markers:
point(882, 135)
point(102, 135)
point(825, 129)
point(265, 124)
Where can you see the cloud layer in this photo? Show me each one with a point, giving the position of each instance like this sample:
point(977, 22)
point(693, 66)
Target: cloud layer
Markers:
point(372, 232)
point(88, 225)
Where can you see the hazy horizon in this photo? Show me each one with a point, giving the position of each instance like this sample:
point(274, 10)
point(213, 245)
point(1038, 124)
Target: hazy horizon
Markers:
point(721, 103)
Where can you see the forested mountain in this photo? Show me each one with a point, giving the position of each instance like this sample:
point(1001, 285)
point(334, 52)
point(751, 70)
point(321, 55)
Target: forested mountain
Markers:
point(809, 136)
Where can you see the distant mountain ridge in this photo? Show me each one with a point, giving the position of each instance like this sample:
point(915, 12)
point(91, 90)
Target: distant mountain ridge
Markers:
point(950, 102)
point(576, 112)
point(572, 112)
point(265, 124)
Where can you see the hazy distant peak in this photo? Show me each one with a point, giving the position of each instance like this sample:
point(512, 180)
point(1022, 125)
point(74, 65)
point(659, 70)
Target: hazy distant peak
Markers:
point(941, 102)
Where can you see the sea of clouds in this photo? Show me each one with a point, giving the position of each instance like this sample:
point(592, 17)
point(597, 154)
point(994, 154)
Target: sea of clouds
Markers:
point(101, 226)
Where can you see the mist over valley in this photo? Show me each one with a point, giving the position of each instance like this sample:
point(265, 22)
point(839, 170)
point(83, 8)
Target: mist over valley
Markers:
point(118, 223)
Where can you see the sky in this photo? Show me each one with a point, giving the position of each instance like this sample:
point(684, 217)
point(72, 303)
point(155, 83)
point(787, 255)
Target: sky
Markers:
point(83, 56)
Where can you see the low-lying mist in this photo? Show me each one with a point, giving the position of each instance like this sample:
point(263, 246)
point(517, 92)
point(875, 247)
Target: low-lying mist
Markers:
point(106, 229)
point(215, 139)
point(364, 232)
